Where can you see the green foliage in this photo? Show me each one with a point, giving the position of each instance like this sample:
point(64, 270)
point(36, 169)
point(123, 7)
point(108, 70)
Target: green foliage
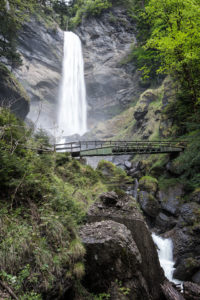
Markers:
point(148, 183)
point(12, 18)
point(175, 35)
point(114, 177)
point(102, 296)
point(188, 163)
point(88, 8)
point(43, 200)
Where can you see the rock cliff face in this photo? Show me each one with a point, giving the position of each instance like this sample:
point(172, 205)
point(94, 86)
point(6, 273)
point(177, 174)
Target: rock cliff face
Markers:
point(41, 47)
point(144, 120)
point(12, 94)
point(106, 42)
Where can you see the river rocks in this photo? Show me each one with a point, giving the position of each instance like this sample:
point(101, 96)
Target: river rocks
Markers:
point(186, 268)
point(191, 291)
point(195, 196)
point(107, 41)
point(149, 184)
point(189, 213)
point(124, 210)
point(170, 291)
point(40, 46)
point(128, 165)
point(164, 222)
point(149, 204)
point(170, 199)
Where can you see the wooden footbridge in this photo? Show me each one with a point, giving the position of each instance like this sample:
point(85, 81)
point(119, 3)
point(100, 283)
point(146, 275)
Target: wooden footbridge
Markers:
point(110, 148)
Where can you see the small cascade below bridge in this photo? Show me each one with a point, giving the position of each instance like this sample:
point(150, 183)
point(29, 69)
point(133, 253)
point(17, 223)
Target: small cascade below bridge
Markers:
point(165, 254)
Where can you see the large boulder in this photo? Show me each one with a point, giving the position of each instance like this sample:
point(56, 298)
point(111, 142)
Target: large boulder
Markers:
point(149, 204)
point(164, 222)
point(191, 291)
point(125, 211)
point(170, 199)
point(113, 259)
point(186, 242)
point(148, 184)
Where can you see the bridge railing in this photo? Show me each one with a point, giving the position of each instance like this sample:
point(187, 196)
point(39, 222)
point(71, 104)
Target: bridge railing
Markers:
point(87, 145)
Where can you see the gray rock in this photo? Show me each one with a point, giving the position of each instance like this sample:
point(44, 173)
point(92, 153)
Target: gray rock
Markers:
point(191, 291)
point(186, 268)
point(189, 212)
point(11, 94)
point(128, 165)
point(41, 50)
point(109, 198)
point(195, 196)
point(127, 213)
point(140, 113)
point(196, 277)
point(164, 222)
point(149, 204)
point(110, 86)
point(170, 199)
point(112, 255)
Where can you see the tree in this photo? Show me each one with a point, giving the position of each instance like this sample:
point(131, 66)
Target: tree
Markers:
point(13, 13)
point(175, 34)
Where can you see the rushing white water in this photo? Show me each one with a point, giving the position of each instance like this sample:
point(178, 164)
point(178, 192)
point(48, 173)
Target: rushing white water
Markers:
point(7, 5)
point(72, 114)
point(165, 254)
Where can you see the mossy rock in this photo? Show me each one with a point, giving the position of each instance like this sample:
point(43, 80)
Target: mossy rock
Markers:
point(115, 177)
point(195, 196)
point(149, 184)
point(12, 94)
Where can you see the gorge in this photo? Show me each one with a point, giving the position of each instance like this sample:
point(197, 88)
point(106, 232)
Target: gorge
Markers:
point(70, 231)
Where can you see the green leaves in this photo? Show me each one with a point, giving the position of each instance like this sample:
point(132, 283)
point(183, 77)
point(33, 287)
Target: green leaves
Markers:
point(12, 18)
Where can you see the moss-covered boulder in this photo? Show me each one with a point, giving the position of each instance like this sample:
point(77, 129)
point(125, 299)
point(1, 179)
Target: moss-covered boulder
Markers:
point(12, 94)
point(149, 204)
point(148, 184)
point(116, 177)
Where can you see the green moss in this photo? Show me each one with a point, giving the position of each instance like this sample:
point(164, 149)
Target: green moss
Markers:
point(12, 83)
point(158, 166)
point(88, 8)
point(115, 178)
point(164, 183)
point(148, 183)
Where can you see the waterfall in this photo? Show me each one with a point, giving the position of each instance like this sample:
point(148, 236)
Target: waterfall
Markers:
point(165, 254)
point(7, 5)
point(72, 112)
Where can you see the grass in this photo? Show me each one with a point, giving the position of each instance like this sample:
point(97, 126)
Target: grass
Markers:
point(44, 199)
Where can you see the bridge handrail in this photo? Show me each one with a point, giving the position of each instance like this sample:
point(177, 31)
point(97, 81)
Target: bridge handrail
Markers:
point(105, 144)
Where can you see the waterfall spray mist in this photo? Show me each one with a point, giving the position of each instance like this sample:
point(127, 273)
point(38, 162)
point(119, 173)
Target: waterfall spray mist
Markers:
point(72, 114)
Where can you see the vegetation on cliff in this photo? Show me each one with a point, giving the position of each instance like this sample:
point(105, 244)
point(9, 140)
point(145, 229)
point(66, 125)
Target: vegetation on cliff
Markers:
point(43, 199)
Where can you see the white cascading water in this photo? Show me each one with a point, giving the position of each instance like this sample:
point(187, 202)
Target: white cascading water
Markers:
point(165, 254)
point(72, 112)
